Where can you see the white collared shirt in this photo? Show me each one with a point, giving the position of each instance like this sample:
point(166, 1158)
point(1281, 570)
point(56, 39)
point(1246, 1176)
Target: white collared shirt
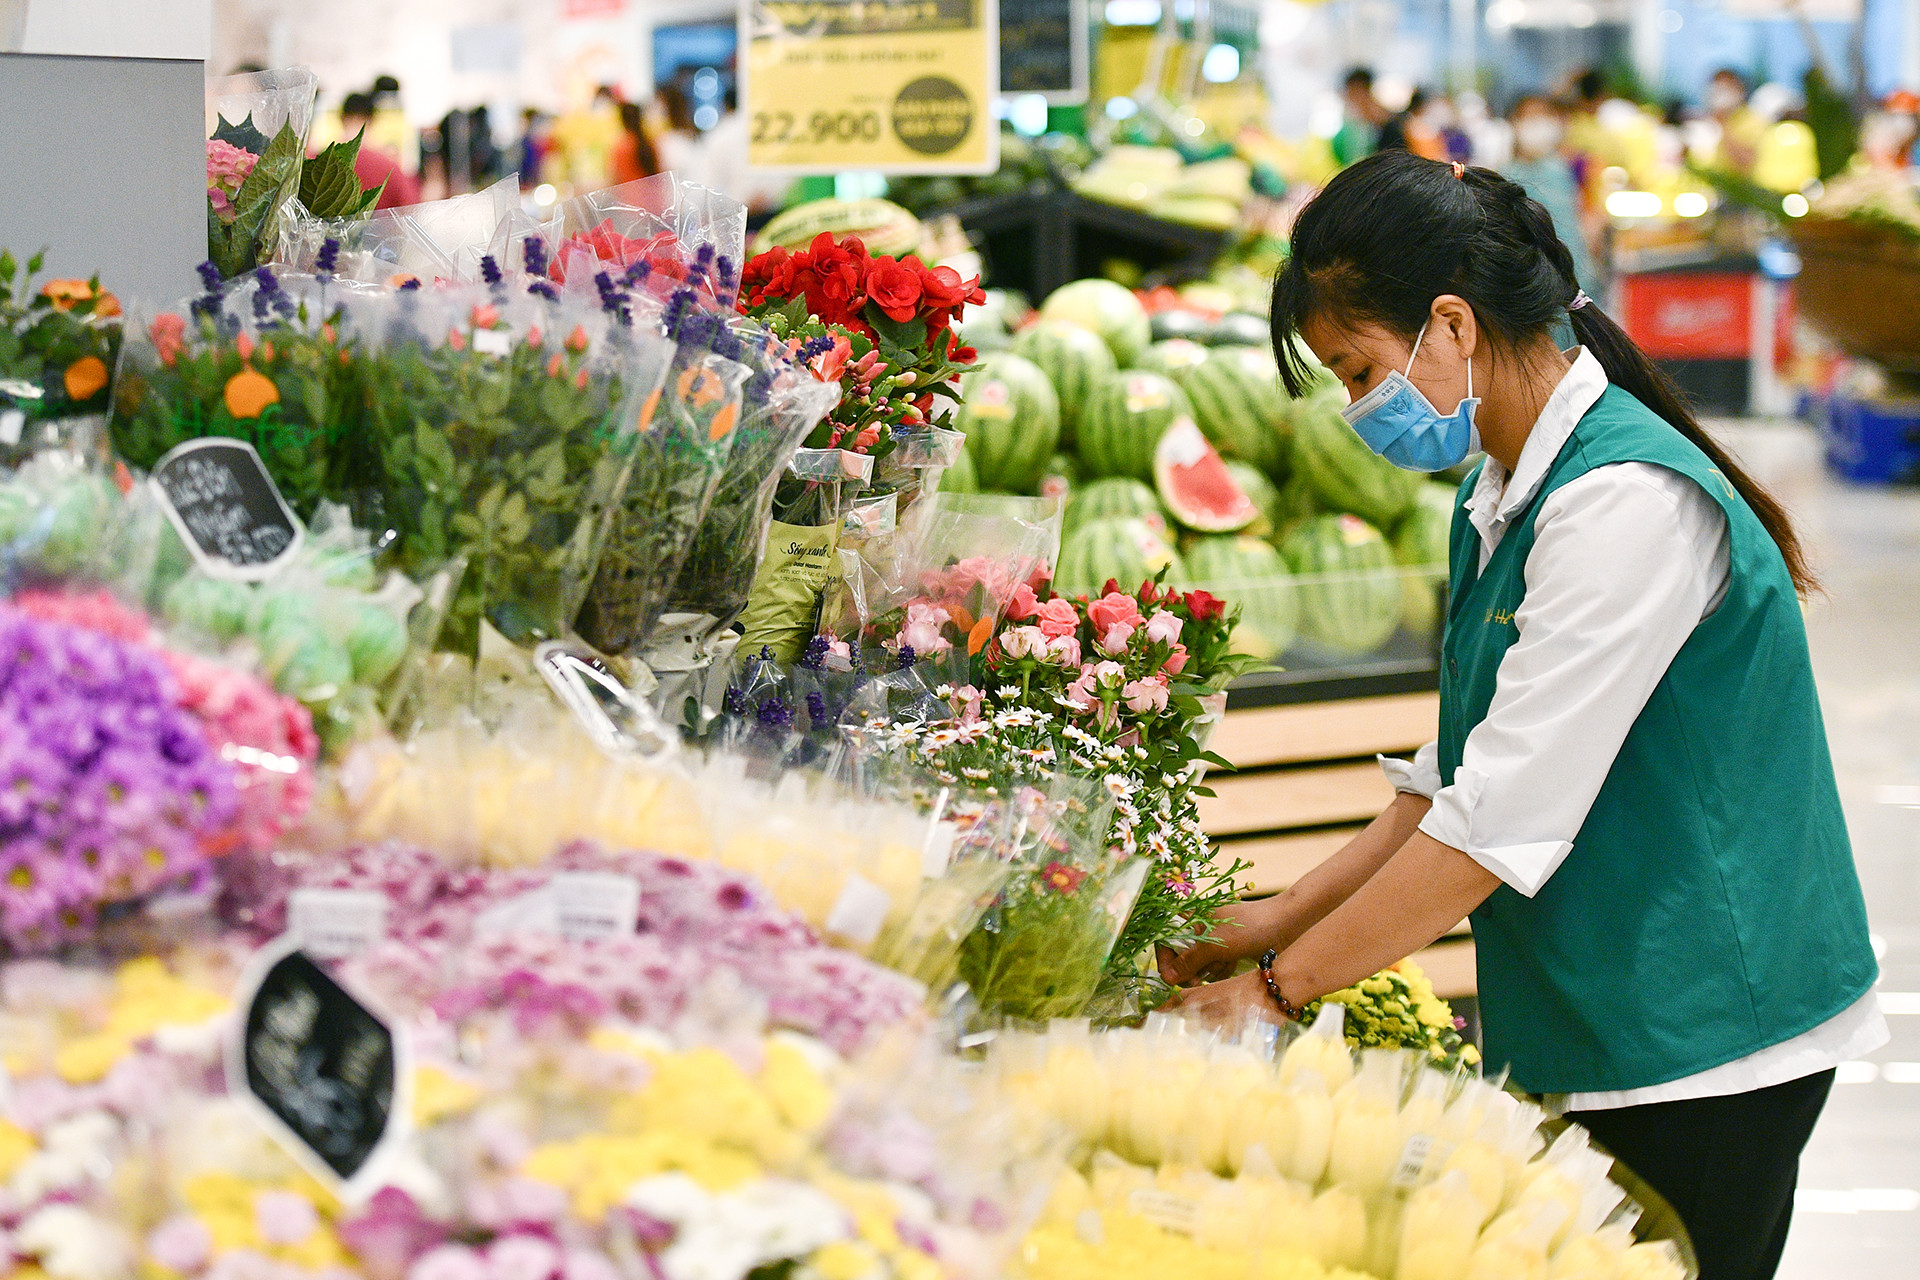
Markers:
point(1626, 561)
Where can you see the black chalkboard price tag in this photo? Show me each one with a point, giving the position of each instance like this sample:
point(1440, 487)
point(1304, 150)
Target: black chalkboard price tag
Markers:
point(1043, 49)
point(219, 496)
point(324, 1072)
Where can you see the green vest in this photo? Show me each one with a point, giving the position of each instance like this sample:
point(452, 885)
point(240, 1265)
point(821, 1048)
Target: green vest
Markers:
point(1709, 908)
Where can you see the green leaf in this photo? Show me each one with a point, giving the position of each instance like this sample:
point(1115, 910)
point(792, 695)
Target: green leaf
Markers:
point(243, 135)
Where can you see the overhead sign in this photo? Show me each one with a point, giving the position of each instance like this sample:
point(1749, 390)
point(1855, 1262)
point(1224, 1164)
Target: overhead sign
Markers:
point(898, 86)
point(1043, 49)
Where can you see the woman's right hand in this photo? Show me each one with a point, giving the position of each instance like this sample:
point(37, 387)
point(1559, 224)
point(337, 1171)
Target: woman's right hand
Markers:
point(1237, 936)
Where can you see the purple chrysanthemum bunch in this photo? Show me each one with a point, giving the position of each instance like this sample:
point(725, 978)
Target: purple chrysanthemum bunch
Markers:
point(106, 784)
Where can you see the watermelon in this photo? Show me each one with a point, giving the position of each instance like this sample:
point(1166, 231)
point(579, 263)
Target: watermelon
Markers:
point(1195, 484)
point(1421, 543)
point(960, 477)
point(883, 226)
point(1239, 403)
point(1074, 360)
point(1266, 498)
point(1012, 421)
point(1350, 597)
point(1296, 504)
point(1175, 357)
point(1126, 550)
point(1243, 329)
point(1121, 424)
point(1250, 573)
point(1117, 497)
point(1105, 308)
point(1343, 473)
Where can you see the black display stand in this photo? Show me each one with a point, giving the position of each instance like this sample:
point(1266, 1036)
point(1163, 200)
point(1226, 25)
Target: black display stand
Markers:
point(1037, 240)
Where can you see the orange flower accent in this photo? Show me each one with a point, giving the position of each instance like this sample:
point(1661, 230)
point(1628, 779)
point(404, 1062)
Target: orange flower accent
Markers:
point(106, 305)
point(266, 352)
point(961, 617)
point(326, 332)
point(168, 332)
point(86, 377)
point(457, 340)
point(244, 345)
point(250, 392)
point(66, 294)
point(722, 424)
point(580, 380)
point(577, 340)
point(647, 410)
point(535, 337)
point(485, 316)
point(699, 387)
point(400, 278)
point(557, 365)
point(978, 637)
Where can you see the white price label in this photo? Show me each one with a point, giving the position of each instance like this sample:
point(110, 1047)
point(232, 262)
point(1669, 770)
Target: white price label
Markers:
point(859, 911)
point(1166, 1209)
point(492, 342)
point(12, 422)
point(595, 904)
point(330, 924)
point(1413, 1160)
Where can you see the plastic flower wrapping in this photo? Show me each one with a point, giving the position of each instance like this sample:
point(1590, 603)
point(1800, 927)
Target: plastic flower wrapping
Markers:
point(58, 345)
point(1311, 1160)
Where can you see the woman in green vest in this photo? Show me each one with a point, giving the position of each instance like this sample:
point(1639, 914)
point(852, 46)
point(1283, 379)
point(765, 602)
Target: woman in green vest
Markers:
point(1631, 793)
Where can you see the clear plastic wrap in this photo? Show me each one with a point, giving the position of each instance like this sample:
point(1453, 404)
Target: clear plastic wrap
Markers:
point(440, 241)
point(256, 143)
point(661, 231)
point(802, 561)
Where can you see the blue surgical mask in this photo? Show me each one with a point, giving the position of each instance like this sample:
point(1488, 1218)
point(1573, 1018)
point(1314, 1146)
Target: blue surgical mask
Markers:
point(1401, 425)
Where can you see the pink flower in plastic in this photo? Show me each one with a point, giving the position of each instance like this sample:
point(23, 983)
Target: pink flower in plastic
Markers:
point(1064, 651)
point(1146, 697)
point(1081, 692)
point(268, 738)
point(1176, 661)
point(1023, 604)
point(1023, 642)
point(227, 168)
point(1114, 639)
point(1058, 617)
point(922, 631)
point(1163, 627)
point(180, 1244)
point(1114, 609)
point(1109, 675)
point(95, 610)
point(390, 1233)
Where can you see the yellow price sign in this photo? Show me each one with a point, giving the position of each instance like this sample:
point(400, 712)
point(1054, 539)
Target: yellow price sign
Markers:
point(899, 86)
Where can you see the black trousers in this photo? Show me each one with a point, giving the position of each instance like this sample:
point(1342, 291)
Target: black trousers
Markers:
point(1728, 1166)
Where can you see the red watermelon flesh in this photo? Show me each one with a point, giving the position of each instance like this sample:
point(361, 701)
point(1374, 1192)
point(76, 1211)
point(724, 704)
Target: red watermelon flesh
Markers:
point(1195, 484)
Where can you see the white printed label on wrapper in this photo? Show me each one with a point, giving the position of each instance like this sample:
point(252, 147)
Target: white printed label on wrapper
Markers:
point(12, 423)
point(331, 924)
point(492, 342)
point(1413, 1160)
point(1166, 1209)
point(595, 904)
point(532, 912)
point(937, 852)
point(859, 911)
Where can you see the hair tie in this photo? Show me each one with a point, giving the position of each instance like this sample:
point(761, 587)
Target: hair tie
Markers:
point(1580, 299)
point(1459, 170)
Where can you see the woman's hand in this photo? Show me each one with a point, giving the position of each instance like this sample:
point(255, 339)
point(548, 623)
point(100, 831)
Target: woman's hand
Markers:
point(1227, 1004)
point(1239, 937)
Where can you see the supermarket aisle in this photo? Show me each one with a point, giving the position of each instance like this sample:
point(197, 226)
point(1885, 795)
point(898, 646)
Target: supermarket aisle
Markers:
point(1859, 1209)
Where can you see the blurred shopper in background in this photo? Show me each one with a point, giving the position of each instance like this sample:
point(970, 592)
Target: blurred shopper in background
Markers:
point(634, 156)
point(390, 130)
point(530, 152)
point(1361, 118)
point(675, 137)
point(1540, 165)
point(1421, 128)
point(583, 142)
point(1887, 135)
point(375, 163)
point(1741, 127)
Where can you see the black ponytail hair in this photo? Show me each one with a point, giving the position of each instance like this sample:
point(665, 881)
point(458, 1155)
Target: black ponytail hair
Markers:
point(1389, 235)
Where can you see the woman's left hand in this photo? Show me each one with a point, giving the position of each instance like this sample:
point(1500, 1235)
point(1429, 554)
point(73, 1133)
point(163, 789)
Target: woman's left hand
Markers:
point(1227, 1003)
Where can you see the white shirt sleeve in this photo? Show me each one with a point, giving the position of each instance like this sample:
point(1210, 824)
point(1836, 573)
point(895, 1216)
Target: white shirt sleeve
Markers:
point(1419, 776)
point(1626, 560)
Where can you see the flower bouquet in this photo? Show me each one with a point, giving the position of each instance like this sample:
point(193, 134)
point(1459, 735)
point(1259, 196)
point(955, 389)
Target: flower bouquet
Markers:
point(1397, 1009)
point(58, 347)
point(258, 365)
point(499, 441)
point(255, 150)
point(438, 242)
point(670, 233)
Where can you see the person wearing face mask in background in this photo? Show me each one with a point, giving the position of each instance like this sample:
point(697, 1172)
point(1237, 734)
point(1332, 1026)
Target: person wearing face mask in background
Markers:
point(1540, 166)
point(1361, 118)
point(1631, 792)
point(1741, 127)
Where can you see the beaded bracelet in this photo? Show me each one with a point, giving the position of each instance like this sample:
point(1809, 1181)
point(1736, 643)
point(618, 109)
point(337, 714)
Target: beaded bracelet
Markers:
point(1273, 986)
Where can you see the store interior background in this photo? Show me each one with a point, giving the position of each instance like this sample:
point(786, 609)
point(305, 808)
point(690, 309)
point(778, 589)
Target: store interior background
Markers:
point(1860, 1207)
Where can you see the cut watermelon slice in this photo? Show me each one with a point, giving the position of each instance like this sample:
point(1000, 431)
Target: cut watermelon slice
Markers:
point(1195, 484)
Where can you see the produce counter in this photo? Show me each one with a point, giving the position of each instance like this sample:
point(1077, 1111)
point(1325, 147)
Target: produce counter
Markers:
point(1036, 241)
point(1304, 781)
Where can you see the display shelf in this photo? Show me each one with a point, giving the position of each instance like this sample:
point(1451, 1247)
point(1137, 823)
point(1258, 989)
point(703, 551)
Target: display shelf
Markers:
point(1304, 782)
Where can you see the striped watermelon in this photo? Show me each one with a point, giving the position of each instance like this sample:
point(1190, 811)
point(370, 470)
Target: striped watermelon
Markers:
point(1239, 403)
point(1266, 498)
point(1012, 421)
point(1421, 543)
point(1343, 473)
point(1107, 309)
point(1195, 484)
point(1350, 597)
point(960, 477)
point(883, 226)
point(1175, 357)
point(1115, 497)
point(1296, 505)
point(1246, 571)
point(1123, 549)
point(1074, 360)
point(1122, 423)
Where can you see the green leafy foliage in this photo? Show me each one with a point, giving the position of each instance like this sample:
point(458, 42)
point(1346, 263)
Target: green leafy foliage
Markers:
point(243, 241)
point(329, 186)
point(52, 330)
point(242, 135)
